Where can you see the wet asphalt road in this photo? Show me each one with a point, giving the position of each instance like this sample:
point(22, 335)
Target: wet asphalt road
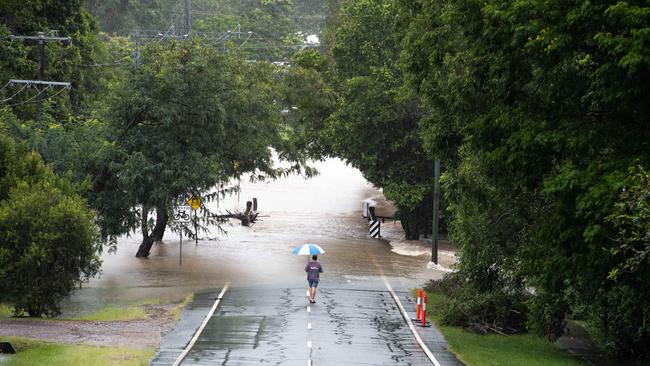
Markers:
point(278, 326)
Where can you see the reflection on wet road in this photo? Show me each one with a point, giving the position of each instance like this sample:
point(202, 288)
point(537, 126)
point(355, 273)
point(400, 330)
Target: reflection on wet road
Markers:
point(347, 326)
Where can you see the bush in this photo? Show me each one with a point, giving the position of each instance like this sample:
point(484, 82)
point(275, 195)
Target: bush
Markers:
point(502, 312)
point(47, 234)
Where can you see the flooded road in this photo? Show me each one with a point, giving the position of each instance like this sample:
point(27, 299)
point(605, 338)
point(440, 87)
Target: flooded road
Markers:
point(325, 210)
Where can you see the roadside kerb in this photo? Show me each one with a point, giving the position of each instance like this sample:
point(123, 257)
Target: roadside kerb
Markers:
point(407, 319)
point(187, 349)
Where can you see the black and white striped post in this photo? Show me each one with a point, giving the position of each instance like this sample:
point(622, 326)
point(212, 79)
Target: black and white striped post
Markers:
point(375, 229)
point(375, 225)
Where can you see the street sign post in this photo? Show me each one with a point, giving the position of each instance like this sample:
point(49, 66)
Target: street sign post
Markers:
point(181, 216)
point(195, 203)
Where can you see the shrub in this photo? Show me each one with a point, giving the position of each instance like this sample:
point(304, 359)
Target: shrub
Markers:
point(497, 311)
point(47, 234)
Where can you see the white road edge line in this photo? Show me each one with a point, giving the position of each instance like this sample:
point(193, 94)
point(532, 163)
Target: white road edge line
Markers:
point(426, 350)
point(198, 331)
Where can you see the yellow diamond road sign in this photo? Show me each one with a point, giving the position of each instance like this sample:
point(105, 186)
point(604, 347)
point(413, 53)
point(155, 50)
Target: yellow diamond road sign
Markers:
point(194, 202)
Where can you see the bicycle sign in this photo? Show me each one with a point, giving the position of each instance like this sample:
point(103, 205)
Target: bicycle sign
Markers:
point(182, 214)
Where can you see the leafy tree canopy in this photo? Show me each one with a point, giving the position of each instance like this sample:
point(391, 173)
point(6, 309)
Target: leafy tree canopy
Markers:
point(550, 99)
point(375, 124)
point(184, 120)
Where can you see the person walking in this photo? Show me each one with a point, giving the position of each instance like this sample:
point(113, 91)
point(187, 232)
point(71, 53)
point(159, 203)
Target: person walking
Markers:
point(313, 269)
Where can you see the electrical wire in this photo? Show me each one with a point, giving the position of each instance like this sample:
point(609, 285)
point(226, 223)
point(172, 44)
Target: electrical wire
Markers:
point(112, 63)
point(30, 99)
point(250, 34)
point(16, 93)
point(7, 84)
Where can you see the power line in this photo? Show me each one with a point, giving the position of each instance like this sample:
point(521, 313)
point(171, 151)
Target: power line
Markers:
point(6, 85)
point(30, 99)
point(34, 97)
point(35, 83)
point(120, 61)
point(16, 93)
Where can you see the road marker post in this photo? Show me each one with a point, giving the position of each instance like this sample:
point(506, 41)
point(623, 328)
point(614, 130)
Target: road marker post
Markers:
point(418, 305)
point(424, 309)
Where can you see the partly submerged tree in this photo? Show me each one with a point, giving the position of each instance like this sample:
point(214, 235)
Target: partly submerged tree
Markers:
point(185, 119)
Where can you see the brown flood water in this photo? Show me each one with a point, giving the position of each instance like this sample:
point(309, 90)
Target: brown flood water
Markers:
point(325, 210)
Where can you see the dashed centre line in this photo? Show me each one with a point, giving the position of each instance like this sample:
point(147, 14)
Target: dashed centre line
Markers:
point(309, 344)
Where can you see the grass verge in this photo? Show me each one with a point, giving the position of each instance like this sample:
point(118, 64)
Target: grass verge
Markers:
point(178, 309)
point(133, 311)
point(497, 350)
point(34, 352)
point(115, 313)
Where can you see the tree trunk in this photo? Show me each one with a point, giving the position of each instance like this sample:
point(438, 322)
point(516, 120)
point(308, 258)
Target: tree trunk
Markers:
point(156, 234)
point(409, 221)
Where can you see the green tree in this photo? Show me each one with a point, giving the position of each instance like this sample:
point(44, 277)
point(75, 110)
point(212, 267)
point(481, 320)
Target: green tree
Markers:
point(269, 32)
point(48, 239)
point(550, 99)
point(375, 125)
point(121, 17)
point(308, 101)
point(184, 120)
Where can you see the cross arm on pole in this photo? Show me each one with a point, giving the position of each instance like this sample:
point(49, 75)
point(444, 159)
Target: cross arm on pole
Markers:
point(43, 38)
point(40, 82)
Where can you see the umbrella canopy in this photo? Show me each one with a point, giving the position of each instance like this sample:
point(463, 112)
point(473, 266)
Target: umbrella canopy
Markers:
point(308, 249)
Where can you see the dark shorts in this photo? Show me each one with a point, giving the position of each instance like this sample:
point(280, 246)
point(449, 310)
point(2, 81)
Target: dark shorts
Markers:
point(312, 283)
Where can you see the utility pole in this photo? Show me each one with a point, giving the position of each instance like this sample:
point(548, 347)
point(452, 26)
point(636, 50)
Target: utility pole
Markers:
point(188, 17)
point(436, 204)
point(41, 38)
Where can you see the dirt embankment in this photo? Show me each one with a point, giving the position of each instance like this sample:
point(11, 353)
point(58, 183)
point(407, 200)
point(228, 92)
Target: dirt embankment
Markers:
point(130, 333)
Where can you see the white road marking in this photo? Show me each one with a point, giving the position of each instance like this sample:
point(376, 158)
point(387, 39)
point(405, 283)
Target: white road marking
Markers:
point(198, 331)
point(308, 325)
point(307, 293)
point(308, 344)
point(406, 317)
point(308, 309)
point(308, 362)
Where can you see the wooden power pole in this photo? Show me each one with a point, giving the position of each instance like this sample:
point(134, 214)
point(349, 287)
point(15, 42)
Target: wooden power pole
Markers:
point(436, 204)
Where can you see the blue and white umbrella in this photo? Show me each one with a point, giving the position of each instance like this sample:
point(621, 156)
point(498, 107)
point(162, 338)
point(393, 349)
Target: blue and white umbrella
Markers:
point(308, 249)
